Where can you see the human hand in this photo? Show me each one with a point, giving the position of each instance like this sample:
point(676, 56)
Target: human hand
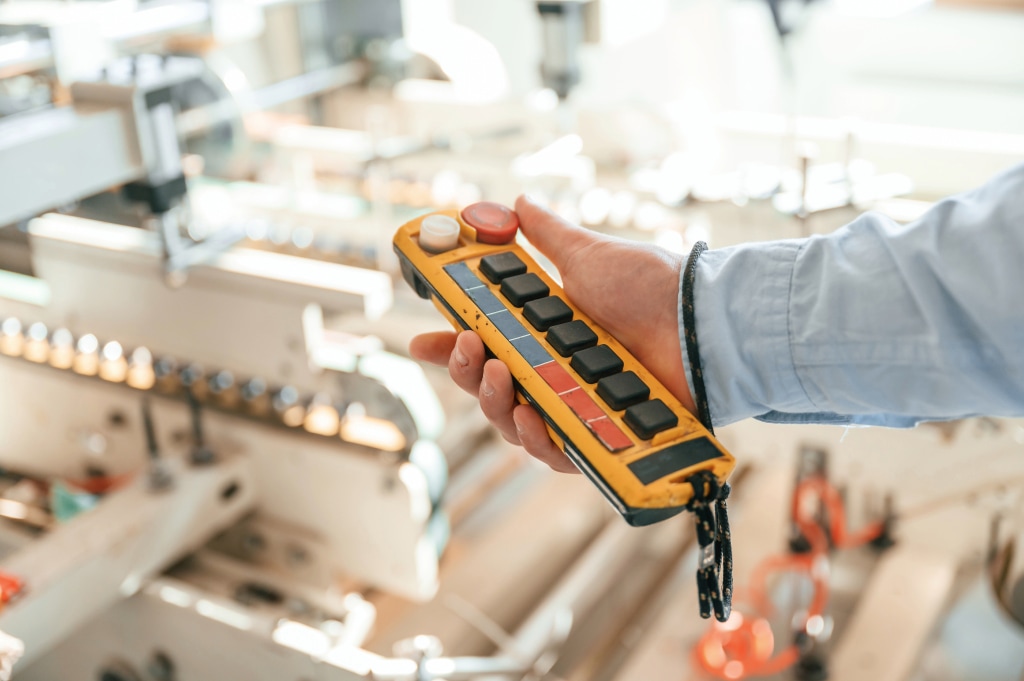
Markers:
point(628, 288)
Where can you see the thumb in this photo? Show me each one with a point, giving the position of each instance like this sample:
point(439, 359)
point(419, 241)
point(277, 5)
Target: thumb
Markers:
point(554, 237)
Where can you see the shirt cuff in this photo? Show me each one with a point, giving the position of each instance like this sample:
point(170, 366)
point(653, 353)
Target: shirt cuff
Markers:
point(741, 302)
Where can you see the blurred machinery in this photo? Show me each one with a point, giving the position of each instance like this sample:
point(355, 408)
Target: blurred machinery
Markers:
point(217, 462)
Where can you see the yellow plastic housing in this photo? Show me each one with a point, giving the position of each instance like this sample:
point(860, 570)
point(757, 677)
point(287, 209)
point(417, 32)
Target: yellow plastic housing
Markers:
point(641, 488)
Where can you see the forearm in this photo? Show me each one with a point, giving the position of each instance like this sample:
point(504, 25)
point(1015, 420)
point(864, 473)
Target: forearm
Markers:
point(875, 323)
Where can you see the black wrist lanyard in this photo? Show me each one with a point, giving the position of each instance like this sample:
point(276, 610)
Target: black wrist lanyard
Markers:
point(714, 567)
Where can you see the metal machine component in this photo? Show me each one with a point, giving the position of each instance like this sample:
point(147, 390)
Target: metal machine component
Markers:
point(326, 482)
point(191, 323)
point(159, 475)
point(562, 23)
point(127, 298)
point(87, 565)
point(74, 44)
point(123, 122)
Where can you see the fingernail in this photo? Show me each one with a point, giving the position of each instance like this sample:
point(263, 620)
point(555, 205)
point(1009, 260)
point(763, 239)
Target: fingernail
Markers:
point(460, 357)
point(519, 429)
point(486, 388)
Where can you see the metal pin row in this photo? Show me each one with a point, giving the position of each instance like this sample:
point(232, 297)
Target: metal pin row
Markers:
point(251, 397)
point(304, 241)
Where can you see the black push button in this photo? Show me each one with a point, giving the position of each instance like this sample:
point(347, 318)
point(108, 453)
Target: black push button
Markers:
point(501, 265)
point(649, 418)
point(622, 390)
point(571, 337)
point(544, 313)
point(522, 288)
point(595, 363)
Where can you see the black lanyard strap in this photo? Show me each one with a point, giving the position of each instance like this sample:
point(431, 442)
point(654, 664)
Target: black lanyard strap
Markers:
point(714, 567)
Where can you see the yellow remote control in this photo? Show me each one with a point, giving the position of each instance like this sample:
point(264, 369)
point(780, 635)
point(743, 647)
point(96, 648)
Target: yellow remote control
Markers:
point(618, 424)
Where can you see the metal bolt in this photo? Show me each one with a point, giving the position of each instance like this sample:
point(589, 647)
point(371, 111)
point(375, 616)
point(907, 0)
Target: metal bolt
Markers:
point(296, 555)
point(160, 667)
point(253, 542)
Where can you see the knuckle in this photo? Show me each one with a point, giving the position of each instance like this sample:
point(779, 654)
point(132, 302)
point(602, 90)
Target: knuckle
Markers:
point(536, 452)
point(491, 407)
point(511, 439)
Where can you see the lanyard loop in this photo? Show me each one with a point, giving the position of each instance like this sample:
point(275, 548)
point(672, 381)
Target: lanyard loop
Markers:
point(714, 568)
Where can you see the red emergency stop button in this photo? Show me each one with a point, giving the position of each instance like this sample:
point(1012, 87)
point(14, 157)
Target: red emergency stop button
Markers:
point(493, 222)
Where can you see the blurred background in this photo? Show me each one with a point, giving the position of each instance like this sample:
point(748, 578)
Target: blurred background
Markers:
point(217, 459)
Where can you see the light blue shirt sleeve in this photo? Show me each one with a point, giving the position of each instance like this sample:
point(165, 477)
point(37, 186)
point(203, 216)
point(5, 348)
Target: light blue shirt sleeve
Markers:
point(875, 324)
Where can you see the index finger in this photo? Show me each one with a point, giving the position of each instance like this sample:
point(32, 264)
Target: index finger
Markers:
point(435, 347)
